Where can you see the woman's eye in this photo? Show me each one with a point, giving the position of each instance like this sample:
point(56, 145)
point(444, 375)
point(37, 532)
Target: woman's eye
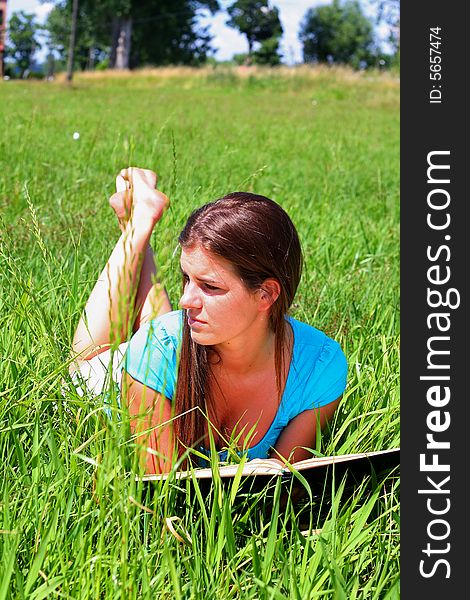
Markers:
point(211, 288)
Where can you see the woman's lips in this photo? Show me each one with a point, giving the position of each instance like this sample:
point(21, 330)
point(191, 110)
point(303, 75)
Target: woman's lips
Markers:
point(192, 322)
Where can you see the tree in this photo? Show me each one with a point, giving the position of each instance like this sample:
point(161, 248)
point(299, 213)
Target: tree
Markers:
point(337, 33)
point(166, 32)
point(268, 53)
point(22, 32)
point(259, 23)
point(92, 41)
point(73, 37)
point(2, 35)
point(131, 33)
point(388, 12)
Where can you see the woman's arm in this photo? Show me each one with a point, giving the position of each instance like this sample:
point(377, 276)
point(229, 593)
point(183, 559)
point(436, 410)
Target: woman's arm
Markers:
point(125, 294)
point(151, 415)
point(302, 431)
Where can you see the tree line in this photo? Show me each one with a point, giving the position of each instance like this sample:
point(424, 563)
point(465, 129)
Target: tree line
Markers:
point(127, 34)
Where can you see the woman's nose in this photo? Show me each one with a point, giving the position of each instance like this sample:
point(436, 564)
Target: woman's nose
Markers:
point(190, 298)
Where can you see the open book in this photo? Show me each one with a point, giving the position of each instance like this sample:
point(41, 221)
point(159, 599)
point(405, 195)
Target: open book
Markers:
point(359, 464)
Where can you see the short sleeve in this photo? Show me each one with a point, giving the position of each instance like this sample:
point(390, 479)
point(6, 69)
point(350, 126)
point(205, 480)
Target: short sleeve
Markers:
point(317, 374)
point(151, 356)
point(328, 379)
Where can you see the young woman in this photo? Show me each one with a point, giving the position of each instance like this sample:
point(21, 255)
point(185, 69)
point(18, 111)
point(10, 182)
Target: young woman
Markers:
point(230, 360)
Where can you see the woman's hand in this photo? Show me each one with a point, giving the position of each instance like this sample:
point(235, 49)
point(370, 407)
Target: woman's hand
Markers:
point(136, 199)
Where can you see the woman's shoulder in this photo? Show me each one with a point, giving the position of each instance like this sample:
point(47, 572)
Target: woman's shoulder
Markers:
point(159, 335)
point(164, 327)
point(319, 363)
point(151, 356)
point(316, 352)
point(307, 335)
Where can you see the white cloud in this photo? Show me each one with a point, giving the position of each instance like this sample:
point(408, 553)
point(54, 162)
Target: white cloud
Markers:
point(228, 41)
point(30, 6)
point(291, 13)
point(43, 10)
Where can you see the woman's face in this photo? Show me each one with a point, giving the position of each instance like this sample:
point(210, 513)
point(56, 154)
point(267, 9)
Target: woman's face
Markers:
point(220, 309)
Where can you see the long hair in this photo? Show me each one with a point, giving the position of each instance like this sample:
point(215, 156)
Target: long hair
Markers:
point(260, 241)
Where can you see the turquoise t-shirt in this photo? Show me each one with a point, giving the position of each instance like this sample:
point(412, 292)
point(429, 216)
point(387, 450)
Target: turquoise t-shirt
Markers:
point(317, 373)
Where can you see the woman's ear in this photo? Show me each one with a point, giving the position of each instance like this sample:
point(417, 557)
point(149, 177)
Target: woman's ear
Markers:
point(269, 293)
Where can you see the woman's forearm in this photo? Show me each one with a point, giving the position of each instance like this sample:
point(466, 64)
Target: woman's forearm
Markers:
point(109, 312)
point(152, 299)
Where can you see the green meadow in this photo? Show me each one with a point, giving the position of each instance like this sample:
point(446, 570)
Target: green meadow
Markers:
point(74, 522)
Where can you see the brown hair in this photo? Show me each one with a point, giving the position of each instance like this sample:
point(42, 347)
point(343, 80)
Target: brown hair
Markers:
point(260, 241)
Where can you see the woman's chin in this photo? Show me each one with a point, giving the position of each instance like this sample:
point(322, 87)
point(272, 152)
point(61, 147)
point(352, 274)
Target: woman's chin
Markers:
point(201, 338)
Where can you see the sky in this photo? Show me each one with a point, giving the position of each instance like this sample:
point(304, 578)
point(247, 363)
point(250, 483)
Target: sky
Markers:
point(226, 41)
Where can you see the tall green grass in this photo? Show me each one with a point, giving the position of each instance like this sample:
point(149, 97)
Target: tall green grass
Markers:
point(74, 522)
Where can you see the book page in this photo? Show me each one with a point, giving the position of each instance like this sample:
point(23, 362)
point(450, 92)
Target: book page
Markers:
point(259, 466)
point(311, 463)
